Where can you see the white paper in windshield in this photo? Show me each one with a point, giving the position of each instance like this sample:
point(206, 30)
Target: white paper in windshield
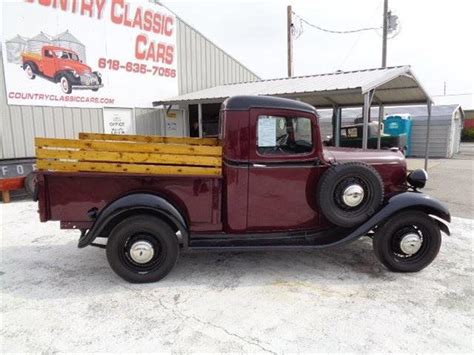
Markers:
point(266, 132)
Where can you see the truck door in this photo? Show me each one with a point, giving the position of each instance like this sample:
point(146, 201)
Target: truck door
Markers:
point(284, 168)
point(48, 63)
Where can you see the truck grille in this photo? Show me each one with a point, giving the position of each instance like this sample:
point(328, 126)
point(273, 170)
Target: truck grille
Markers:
point(89, 79)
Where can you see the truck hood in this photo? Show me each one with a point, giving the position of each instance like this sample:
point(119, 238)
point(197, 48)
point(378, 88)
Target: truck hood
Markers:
point(369, 156)
point(80, 68)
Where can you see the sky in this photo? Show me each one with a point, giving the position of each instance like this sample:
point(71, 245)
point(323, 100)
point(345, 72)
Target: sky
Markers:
point(436, 37)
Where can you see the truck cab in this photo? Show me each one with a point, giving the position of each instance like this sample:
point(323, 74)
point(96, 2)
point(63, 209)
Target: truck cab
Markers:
point(278, 187)
point(273, 149)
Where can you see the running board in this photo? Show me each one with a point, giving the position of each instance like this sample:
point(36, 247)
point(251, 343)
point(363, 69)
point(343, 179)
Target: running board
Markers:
point(271, 241)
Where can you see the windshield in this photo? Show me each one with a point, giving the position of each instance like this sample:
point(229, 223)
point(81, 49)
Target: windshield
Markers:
point(67, 55)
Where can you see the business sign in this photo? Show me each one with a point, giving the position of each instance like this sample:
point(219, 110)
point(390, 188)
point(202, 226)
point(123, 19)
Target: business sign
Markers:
point(84, 53)
point(174, 121)
point(12, 168)
point(118, 121)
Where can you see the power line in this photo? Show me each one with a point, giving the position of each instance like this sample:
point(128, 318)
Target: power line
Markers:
point(302, 20)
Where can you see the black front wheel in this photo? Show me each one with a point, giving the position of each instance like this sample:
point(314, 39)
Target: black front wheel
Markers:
point(408, 242)
point(142, 249)
point(65, 82)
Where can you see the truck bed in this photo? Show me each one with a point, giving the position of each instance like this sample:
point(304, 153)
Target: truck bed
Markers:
point(35, 57)
point(78, 175)
point(69, 196)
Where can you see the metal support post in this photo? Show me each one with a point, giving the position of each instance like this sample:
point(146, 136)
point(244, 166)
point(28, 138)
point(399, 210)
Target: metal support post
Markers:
point(337, 137)
point(381, 115)
point(428, 126)
point(365, 120)
point(289, 39)
point(200, 119)
point(384, 34)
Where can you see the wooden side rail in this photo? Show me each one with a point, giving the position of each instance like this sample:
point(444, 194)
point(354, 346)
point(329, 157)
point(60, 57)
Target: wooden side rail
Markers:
point(147, 155)
point(149, 139)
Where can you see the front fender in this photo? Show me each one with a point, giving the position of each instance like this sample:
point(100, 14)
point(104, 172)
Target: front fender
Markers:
point(139, 202)
point(405, 201)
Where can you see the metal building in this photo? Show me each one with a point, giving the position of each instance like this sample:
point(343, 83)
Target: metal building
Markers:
point(201, 64)
point(35, 44)
point(445, 128)
point(15, 47)
point(69, 41)
point(393, 89)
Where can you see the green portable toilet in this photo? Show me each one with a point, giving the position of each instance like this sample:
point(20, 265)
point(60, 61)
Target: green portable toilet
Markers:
point(398, 125)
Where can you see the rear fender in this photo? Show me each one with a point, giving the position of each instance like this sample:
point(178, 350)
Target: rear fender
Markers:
point(137, 203)
point(405, 201)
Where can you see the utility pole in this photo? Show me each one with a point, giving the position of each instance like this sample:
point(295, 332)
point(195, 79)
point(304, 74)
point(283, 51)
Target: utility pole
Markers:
point(385, 30)
point(289, 38)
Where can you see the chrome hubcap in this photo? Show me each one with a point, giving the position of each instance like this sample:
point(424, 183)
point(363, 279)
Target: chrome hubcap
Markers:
point(29, 71)
point(353, 195)
point(410, 243)
point(142, 252)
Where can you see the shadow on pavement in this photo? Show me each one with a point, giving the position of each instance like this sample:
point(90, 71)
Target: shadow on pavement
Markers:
point(63, 270)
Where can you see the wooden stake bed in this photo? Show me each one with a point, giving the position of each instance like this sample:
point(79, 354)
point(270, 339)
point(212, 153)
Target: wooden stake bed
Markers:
point(130, 154)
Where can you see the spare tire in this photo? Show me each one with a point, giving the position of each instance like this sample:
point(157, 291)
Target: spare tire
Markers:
point(349, 193)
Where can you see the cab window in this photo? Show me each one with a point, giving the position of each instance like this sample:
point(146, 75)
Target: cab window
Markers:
point(284, 135)
point(352, 132)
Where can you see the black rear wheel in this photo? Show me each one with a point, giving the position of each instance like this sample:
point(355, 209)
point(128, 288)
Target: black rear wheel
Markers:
point(30, 184)
point(408, 242)
point(142, 249)
point(30, 70)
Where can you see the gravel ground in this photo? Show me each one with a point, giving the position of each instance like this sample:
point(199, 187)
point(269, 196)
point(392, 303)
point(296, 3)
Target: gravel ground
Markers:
point(55, 297)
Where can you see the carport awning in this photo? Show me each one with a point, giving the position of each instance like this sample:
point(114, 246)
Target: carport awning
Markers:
point(393, 85)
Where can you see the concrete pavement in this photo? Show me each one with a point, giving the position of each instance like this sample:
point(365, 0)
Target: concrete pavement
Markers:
point(57, 298)
point(452, 180)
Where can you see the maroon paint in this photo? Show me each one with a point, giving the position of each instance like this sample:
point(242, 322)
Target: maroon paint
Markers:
point(71, 195)
point(278, 197)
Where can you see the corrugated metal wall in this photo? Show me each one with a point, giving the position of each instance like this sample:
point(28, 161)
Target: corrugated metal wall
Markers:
point(201, 64)
point(439, 138)
point(149, 121)
point(444, 131)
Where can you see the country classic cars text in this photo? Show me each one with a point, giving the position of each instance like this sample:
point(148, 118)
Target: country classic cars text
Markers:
point(129, 15)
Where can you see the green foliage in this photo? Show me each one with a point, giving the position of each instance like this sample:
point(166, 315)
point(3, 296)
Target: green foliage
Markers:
point(467, 135)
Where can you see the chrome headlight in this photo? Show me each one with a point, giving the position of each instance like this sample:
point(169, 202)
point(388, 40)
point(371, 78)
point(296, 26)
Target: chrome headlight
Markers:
point(417, 178)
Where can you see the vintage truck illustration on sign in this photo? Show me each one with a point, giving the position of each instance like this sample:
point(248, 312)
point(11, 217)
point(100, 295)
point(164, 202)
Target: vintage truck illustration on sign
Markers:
point(63, 66)
point(267, 182)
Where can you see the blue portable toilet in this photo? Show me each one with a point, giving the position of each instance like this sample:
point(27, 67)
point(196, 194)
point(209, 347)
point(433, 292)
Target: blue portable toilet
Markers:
point(397, 125)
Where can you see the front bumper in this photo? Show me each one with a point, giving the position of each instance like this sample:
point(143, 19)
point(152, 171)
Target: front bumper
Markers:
point(85, 87)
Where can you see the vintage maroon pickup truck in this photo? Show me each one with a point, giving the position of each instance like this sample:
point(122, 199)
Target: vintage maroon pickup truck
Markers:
point(279, 188)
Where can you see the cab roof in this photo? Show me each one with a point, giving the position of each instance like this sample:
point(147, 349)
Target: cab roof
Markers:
point(247, 102)
point(56, 48)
